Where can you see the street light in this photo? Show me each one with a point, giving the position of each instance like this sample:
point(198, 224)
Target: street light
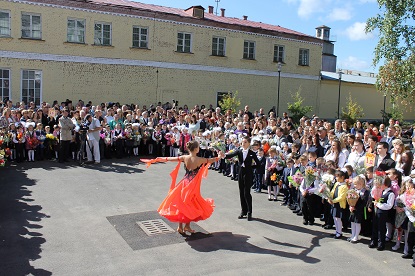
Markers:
point(279, 79)
point(340, 85)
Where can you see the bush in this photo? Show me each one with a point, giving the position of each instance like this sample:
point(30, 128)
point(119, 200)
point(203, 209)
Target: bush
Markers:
point(296, 108)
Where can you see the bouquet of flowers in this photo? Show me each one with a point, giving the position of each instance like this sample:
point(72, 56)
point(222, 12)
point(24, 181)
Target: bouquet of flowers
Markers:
point(19, 136)
point(326, 183)
point(376, 192)
point(276, 179)
point(352, 197)
point(146, 135)
point(408, 199)
point(102, 135)
point(400, 216)
point(310, 175)
point(218, 146)
point(296, 179)
point(41, 138)
point(3, 156)
point(51, 138)
point(233, 159)
point(32, 142)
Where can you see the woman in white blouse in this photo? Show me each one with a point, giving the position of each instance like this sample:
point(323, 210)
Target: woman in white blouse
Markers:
point(335, 154)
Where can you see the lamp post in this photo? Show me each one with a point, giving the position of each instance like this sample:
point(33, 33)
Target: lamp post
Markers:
point(384, 108)
point(340, 85)
point(279, 79)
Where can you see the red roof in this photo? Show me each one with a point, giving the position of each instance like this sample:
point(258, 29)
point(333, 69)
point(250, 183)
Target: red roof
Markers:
point(210, 16)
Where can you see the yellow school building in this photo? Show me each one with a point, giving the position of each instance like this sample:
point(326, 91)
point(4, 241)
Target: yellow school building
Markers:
point(131, 52)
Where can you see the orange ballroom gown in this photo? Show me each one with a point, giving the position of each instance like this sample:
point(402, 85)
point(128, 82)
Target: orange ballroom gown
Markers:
point(184, 202)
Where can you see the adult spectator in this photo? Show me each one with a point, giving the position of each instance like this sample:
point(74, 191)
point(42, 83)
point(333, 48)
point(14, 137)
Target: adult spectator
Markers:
point(66, 126)
point(383, 161)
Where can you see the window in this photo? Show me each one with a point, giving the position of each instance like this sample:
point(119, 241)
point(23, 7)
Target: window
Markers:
point(278, 53)
point(76, 30)
point(184, 42)
point(249, 50)
point(31, 26)
point(218, 46)
point(102, 34)
point(140, 37)
point(5, 23)
point(31, 86)
point(4, 83)
point(304, 57)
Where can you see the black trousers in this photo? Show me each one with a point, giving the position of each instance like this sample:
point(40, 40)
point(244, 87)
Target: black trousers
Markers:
point(245, 183)
point(64, 150)
point(379, 227)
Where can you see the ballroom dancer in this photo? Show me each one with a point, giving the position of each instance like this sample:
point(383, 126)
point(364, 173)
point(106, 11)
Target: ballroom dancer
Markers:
point(245, 176)
point(184, 203)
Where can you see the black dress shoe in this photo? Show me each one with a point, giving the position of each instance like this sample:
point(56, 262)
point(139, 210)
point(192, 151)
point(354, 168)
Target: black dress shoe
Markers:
point(284, 204)
point(242, 216)
point(300, 213)
point(311, 223)
point(296, 211)
point(413, 264)
point(305, 222)
point(372, 244)
point(381, 248)
point(338, 236)
point(249, 217)
point(406, 256)
point(327, 227)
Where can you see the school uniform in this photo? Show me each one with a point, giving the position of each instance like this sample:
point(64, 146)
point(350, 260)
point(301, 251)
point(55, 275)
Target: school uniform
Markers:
point(382, 211)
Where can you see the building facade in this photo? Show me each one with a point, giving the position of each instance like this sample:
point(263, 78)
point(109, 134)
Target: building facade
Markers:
point(130, 52)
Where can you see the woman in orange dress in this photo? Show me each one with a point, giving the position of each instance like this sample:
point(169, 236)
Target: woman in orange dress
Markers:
point(184, 203)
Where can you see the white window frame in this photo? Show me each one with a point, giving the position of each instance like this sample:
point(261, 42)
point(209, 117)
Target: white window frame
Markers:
point(76, 30)
point(2, 96)
point(102, 33)
point(278, 57)
point(215, 51)
point(251, 45)
point(9, 24)
point(27, 98)
point(182, 48)
point(140, 40)
point(304, 57)
point(31, 25)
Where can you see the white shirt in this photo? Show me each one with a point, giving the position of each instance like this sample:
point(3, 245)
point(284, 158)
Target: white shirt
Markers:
point(356, 159)
point(390, 202)
point(244, 155)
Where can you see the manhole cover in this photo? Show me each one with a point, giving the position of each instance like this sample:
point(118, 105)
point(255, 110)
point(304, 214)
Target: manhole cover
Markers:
point(155, 227)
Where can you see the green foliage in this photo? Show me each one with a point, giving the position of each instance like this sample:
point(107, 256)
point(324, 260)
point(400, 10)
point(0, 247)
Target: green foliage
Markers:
point(352, 112)
point(395, 112)
point(230, 101)
point(296, 108)
point(394, 24)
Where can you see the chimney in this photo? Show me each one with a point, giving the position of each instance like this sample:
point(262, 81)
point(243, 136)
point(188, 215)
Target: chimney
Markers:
point(222, 12)
point(210, 9)
point(245, 17)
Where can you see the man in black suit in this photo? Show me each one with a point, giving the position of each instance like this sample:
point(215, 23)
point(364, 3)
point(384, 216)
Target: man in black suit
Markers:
point(245, 176)
point(383, 161)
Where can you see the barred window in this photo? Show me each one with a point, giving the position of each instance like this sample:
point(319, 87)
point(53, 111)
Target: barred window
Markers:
point(4, 83)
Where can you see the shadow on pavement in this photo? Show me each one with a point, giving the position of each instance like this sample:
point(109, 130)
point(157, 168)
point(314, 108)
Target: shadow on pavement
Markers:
point(235, 242)
point(20, 242)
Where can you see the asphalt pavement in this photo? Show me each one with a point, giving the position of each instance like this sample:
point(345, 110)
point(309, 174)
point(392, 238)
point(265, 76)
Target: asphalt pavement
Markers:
point(64, 219)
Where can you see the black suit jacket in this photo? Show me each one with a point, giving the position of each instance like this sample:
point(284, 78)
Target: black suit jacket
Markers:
point(386, 164)
point(251, 156)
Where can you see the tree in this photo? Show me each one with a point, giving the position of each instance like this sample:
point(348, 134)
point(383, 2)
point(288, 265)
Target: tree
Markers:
point(230, 101)
point(396, 46)
point(395, 112)
point(352, 112)
point(296, 108)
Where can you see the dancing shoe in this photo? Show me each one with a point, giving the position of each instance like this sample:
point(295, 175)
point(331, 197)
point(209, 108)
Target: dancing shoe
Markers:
point(242, 216)
point(249, 217)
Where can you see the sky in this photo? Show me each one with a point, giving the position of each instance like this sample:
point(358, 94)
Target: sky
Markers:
point(346, 18)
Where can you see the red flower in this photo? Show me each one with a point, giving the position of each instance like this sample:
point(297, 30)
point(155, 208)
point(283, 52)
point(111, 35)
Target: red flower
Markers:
point(380, 173)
